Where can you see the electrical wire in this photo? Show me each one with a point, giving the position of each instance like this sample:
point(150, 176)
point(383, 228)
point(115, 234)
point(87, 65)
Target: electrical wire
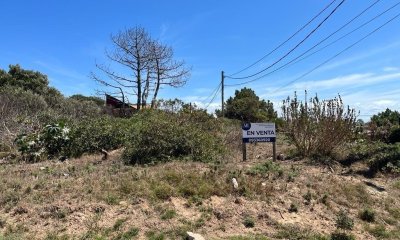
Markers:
point(338, 54)
point(214, 94)
point(287, 40)
point(295, 47)
point(299, 59)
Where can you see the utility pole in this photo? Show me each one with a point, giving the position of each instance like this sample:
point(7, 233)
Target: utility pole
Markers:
point(222, 94)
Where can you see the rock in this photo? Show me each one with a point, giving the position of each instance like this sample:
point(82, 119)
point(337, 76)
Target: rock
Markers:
point(43, 168)
point(263, 184)
point(235, 183)
point(281, 157)
point(194, 236)
point(105, 154)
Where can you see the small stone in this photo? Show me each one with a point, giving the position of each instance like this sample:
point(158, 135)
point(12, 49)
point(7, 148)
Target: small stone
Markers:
point(281, 157)
point(235, 183)
point(42, 168)
point(194, 236)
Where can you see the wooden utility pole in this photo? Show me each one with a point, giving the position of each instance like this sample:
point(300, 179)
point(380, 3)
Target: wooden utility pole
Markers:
point(222, 94)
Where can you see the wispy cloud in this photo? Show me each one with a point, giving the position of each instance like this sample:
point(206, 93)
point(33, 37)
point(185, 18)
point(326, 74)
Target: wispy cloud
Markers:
point(391, 69)
point(60, 70)
point(359, 57)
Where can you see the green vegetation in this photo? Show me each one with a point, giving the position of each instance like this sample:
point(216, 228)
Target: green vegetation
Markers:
point(246, 106)
point(343, 221)
point(367, 215)
point(316, 128)
point(248, 222)
point(174, 165)
point(160, 136)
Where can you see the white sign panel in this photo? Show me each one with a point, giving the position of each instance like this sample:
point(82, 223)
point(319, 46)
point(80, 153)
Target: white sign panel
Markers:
point(259, 132)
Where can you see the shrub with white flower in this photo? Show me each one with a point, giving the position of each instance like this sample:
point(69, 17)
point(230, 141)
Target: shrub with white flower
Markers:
point(50, 142)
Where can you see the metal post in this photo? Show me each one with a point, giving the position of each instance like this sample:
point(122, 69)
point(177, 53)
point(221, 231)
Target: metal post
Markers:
point(222, 94)
point(274, 151)
point(244, 151)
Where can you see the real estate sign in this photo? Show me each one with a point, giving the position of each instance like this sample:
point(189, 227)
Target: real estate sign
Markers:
point(259, 132)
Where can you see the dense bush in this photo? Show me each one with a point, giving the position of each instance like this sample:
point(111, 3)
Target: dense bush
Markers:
point(317, 127)
point(160, 136)
point(387, 159)
point(378, 155)
point(51, 141)
point(385, 127)
point(92, 135)
point(394, 136)
point(20, 113)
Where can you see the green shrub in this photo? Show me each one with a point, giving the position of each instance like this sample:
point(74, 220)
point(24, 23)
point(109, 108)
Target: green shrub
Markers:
point(317, 127)
point(341, 236)
point(248, 222)
point(51, 141)
point(387, 159)
point(379, 232)
point(293, 208)
point(168, 214)
point(343, 221)
point(130, 234)
point(161, 136)
point(378, 155)
point(367, 215)
point(266, 168)
point(394, 136)
point(92, 135)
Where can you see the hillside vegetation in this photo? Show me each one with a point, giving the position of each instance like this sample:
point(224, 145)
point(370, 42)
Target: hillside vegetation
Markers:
point(69, 171)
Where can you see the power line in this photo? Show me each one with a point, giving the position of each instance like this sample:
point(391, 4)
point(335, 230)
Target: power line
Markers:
point(299, 59)
point(295, 47)
point(336, 55)
point(214, 94)
point(287, 40)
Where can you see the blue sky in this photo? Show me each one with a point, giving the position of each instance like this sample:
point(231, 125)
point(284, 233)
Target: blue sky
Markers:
point(63, 39)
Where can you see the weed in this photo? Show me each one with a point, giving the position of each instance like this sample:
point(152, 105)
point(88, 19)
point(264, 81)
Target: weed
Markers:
point(265, 169)
point(324, 199)
point(111, 199)
point(168, 214)
point(248, 222)
point(155, 236)
point(294, 232)
point(251, 237)
point(293, 208)
point(379, 232)
point(118, 224)
point(341, 236)
point(2, 223)
point(396, 184)
point(308, 197)
point(367, 215)
point(162, 191)
point(130, 234)
point(343, 221)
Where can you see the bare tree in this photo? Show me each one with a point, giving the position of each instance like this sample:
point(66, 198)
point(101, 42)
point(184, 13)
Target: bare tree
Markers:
point(149, 65)
point(167, 70)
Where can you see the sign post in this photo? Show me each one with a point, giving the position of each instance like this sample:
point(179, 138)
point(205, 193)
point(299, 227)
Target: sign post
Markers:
point(259, 132)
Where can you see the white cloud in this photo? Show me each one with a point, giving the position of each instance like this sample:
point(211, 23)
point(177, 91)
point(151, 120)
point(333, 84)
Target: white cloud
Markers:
point(391, 69)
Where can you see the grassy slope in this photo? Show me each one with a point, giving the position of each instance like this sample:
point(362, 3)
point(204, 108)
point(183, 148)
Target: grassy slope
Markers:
point(89, 199)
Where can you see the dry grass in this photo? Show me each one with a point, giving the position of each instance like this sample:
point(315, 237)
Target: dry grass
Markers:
point(89, 199)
